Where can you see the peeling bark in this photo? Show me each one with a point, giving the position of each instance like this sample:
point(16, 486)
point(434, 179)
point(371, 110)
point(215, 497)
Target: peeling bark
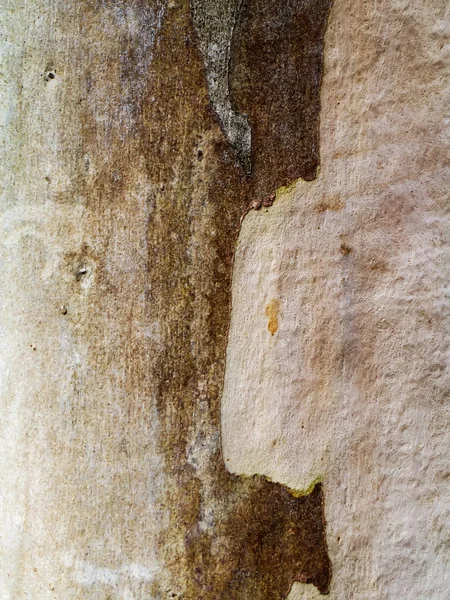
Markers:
point(353, 386)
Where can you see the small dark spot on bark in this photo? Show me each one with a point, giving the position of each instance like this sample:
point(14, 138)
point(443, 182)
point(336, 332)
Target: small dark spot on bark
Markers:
point(81, 272)
point(49, 74)
point(345, 250)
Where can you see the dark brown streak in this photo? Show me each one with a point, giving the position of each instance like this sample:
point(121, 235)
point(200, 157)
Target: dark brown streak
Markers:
point(229, 537)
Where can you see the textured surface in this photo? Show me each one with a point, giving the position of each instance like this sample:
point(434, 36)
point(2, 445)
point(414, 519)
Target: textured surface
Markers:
point(338, 355)
point(121, 205)
point(120, 210)
point(215, 21)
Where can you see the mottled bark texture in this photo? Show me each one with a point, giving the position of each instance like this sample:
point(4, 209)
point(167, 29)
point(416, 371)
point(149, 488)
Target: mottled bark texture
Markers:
point(230, 537)
point(127, 182)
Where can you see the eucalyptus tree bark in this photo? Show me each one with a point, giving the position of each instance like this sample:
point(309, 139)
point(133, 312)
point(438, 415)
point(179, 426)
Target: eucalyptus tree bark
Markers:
point(200, 400)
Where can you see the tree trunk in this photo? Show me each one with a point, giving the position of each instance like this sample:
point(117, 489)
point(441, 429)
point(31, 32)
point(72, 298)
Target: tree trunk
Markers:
point(167, 434)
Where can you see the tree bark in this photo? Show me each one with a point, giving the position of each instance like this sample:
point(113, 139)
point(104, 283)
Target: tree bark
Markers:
point(167, 433)
point(337, 361)
point(123, 205)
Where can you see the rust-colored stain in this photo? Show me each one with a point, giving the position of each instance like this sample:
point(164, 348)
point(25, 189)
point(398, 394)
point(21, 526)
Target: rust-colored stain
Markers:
point(227, 537)
point(272, 310)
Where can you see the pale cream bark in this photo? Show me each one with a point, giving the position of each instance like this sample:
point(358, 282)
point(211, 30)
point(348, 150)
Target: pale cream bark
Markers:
point(338, 353)
point(77, 490)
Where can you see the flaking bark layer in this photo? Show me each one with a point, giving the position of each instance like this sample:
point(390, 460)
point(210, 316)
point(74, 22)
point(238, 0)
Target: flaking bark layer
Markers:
point(229, 536)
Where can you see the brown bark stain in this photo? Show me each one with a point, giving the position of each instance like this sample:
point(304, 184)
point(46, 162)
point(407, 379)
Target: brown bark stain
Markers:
point(345, 249)
point(333, 204)
point(275, 75)
point(228, 537)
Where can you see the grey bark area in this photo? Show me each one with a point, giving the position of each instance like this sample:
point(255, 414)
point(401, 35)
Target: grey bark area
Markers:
point(122, 206)
point(215, 21)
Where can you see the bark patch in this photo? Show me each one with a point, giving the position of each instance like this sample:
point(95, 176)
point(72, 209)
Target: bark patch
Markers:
point(229, 537)
point(226, 537)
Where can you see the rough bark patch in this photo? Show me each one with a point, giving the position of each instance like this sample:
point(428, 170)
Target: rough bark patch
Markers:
point(229, 536)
